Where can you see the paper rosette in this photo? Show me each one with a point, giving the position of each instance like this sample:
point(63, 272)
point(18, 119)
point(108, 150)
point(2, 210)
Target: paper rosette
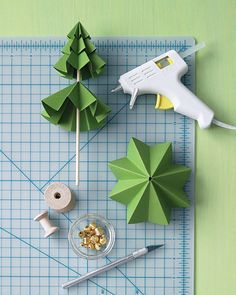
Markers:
point(149, 184)
point(60, 108)
point(79, 54)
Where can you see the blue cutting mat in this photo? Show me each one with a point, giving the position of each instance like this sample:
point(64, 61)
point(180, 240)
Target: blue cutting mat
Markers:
point(35, 153)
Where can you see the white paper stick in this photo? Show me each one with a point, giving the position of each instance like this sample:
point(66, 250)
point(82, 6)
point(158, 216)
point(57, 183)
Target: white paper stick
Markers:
point(77, 168)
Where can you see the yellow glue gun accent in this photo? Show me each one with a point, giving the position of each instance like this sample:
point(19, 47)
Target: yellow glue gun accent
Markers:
point(163, 103)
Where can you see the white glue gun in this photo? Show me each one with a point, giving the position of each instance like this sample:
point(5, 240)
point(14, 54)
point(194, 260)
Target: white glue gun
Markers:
point(161, 76)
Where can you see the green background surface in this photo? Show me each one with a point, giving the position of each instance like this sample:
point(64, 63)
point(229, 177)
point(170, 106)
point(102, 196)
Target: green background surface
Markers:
point(212, 21)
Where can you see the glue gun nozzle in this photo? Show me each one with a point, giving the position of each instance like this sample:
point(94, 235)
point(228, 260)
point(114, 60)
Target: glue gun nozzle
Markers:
point(118, 88)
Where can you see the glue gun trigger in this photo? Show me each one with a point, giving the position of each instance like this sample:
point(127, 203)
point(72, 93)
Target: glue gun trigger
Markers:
point(133, 98)
point(163, 103)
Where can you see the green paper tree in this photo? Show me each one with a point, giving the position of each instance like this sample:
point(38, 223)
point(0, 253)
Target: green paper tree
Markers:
point(76, 108)
point(60, 108)
point(149, 184)
point(79, 54)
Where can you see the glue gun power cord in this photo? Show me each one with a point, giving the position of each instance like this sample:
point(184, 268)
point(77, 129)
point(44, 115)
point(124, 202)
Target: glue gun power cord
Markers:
point(223, 125)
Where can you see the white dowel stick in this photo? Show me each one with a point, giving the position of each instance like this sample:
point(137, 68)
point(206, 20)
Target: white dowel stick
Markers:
point(77, 168)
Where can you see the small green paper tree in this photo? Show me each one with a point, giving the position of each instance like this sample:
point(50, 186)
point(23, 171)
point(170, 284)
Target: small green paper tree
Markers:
point(79, 55)
point(75, 108)
point(149, 183)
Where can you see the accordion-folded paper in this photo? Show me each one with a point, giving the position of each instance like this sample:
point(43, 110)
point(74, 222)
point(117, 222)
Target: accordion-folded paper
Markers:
point(149, 184)
point(79, 60)
point(79, 54)
point(60, 108)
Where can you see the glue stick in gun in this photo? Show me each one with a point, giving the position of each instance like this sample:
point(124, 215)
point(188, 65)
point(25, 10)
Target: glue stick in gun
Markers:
point(162, 76)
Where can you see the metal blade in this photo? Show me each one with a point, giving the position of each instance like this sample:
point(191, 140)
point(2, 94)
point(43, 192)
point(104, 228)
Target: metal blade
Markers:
point(154, 247)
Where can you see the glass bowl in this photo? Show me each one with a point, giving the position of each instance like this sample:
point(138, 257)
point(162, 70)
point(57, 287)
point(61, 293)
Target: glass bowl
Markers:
point(79, 225)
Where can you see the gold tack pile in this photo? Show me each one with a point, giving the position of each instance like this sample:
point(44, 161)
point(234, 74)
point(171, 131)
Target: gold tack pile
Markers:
point(93, 237)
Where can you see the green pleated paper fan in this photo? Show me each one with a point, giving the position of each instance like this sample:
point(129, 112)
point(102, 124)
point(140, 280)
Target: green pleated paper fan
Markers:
point(60, 108)
point(149, 184)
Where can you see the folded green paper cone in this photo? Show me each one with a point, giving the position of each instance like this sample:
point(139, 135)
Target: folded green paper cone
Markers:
point(60, 108)
point(79, 54)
